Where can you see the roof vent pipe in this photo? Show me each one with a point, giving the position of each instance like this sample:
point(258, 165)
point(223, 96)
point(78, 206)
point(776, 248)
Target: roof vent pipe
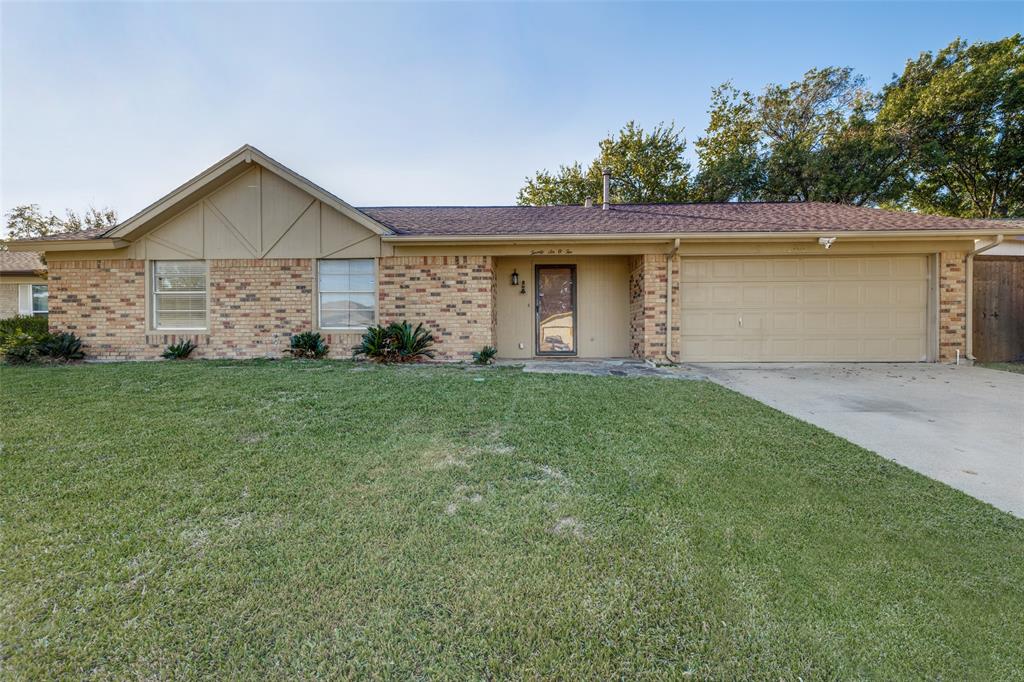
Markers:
point(606, 176)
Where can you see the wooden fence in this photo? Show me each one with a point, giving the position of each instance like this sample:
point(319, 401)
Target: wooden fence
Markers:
point(999, 308)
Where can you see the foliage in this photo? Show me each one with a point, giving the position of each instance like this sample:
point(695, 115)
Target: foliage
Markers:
point(397, 342)
point(21, 348)
point(37, 325)
point(28, 222)
point(62, 347)
point(961, 112)
point(27, 339)
point(308, 345)
point(485, 355)
point(646, 167)
point(20, 337)
point(946, 136)
point(812, 140)
point(179, 351)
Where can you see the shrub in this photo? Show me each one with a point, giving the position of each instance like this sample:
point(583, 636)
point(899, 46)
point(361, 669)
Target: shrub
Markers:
point(179, 351)
point(63, 347)
point(20, 348)
point(485, 355)
point(35, 325)
point(397, 342)
point(308, 345)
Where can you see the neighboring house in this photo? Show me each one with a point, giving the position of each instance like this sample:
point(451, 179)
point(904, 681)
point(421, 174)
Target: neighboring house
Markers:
point(249, 252)
point(23, 288)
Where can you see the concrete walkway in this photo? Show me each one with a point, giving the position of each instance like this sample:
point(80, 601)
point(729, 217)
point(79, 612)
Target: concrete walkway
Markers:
point(963, 426)
point(604, 368)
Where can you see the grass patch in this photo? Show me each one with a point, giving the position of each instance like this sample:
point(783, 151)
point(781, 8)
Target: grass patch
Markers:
point(1015, 367)
point(297, 519)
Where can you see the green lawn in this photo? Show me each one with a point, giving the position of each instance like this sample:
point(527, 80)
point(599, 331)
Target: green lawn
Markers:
point(290, 519)
point(1016, 367)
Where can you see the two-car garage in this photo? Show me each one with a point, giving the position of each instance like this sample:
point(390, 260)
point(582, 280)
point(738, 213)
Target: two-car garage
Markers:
point(804, 308)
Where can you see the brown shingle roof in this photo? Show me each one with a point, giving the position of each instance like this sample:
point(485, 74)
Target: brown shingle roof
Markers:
point(659, 218)
point(94, 233)
point(20, 262)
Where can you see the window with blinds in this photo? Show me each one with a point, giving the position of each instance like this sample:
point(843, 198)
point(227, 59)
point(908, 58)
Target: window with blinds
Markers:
point(348, 293)
point(179, 294)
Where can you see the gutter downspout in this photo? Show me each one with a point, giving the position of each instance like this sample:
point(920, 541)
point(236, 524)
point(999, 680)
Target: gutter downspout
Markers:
point(969, 341)
point(668, 296)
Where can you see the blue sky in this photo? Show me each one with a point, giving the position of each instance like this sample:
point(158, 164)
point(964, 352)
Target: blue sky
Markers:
point(116, 104)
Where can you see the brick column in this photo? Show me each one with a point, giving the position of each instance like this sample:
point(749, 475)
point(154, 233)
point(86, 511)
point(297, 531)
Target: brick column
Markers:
point(952, 305)
point(648, 306)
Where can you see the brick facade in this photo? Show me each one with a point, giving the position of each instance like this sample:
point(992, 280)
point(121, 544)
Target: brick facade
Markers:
point(952, 305)
point(454, 296)
point(255, 305)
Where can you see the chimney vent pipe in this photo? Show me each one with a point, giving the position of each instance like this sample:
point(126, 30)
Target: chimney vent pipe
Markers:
point(605, 187)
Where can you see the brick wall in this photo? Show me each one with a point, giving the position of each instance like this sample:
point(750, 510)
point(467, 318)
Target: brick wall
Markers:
point(648, 305)
point(104, 303)
point(254, 306)
point(8, 300)
point(952, 305)
point(452, 295)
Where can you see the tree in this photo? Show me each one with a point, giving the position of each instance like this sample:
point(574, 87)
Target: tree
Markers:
point(28, 222)
point(645, 168)
point(812, 140)
point(962, 114)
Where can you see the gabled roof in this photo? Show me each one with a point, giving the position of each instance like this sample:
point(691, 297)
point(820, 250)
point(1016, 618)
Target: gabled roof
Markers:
point(228, 167)
point(21, 263)
point(721, 218)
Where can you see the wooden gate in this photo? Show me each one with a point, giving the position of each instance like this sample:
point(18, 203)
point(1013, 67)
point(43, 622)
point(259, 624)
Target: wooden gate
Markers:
point(999, 308)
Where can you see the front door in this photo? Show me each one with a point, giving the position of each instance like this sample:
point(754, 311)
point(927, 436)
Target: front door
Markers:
point(556, 309)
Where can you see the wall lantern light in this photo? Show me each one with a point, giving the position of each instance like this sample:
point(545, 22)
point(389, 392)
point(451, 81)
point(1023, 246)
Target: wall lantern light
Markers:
point(515, 278)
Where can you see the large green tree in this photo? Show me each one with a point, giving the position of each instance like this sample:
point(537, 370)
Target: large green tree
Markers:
point(28, 222)
point(646, 167)
point(961, 112)
point(812, 140)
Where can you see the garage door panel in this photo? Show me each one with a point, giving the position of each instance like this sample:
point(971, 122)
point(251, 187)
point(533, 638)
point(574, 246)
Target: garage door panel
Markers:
point(804, 308)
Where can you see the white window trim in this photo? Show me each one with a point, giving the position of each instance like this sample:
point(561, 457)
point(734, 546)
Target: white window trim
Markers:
point(153, 293)
point(26, 300)
point(319, 298)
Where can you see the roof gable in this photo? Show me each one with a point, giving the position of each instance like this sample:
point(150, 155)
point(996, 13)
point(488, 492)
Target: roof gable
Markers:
point(221, 174)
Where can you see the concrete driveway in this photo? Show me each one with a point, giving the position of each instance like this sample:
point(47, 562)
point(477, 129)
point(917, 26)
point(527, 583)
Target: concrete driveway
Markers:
point(963, 426)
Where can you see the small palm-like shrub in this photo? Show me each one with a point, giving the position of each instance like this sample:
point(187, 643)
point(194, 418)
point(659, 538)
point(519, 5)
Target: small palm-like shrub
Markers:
point(397, 342)
point(179, 351)
point(308, 345)
point(485, 355)
point(64, 347)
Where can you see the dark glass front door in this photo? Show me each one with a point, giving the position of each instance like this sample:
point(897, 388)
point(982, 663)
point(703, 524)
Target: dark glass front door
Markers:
point(556, 309)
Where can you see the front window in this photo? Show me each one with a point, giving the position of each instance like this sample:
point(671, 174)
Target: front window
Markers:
point(179, 294)
point(40, 299)
point(348, 298)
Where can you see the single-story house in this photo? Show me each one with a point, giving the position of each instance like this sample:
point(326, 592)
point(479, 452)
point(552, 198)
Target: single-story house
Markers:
point(23, 286)
point(249, 252)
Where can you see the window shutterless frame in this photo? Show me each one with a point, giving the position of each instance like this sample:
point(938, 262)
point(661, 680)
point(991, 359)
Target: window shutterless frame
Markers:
point(179, 295)
point(352, 284)
point(40, 299)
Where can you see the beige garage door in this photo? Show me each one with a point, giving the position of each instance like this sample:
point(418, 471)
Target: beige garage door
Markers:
point(804, 309)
